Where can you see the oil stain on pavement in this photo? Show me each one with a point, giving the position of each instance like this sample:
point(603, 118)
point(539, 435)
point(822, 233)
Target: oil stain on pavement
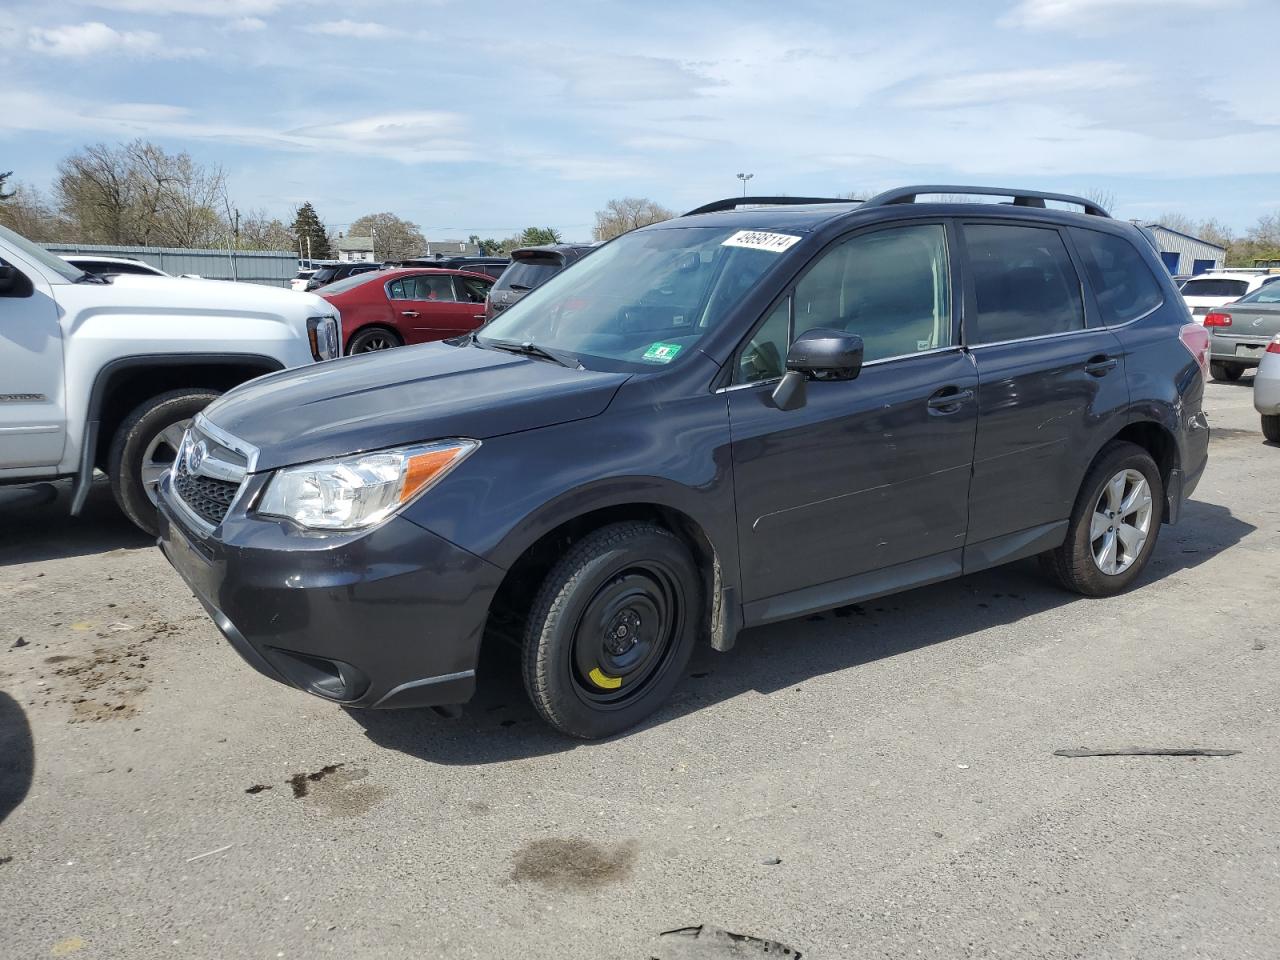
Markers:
point(568, 864)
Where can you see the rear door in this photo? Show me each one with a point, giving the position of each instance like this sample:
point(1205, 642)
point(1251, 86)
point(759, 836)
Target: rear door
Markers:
point(1051, 380)
point(32, 415)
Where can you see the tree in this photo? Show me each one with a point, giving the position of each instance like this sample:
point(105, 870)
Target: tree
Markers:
point(26, 211)
point(537, 236)
point(620, 216)
point(260, 232)
point(3, 178)
point(1105, 199)
point(139, 193)
point(1179, 222)
point(393, 237)
point(309, 233)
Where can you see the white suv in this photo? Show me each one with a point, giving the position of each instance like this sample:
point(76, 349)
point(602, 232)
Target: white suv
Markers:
point(107, 373)
point(1205, 291)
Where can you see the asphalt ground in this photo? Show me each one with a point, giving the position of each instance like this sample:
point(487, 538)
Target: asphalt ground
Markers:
point(879, 781)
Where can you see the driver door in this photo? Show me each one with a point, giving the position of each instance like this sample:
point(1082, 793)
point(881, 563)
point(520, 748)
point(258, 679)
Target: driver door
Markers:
point(870, 477)
point(32, 414)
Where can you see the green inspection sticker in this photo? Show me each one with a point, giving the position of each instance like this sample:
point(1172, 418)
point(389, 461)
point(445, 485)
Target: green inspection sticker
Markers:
point(662, 352)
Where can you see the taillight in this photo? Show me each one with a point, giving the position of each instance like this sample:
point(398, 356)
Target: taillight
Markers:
point(1274, 345)
point(1196, 339)
point(1217, 320)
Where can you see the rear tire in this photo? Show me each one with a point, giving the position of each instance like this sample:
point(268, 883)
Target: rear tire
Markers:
point(144, 446)
point(1113, 512)
point(1271, 426)
point(1230, 372)
point(611, 629)
point(372, 339)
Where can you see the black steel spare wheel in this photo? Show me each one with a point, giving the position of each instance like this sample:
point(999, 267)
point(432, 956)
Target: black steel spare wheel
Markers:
point(611, 629)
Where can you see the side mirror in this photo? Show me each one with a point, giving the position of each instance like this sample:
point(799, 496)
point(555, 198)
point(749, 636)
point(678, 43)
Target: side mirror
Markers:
point(13, 282)
point(818, 354)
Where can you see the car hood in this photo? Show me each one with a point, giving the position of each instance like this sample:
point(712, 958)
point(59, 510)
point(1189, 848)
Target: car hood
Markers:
point(217, 294)
point(406, 395)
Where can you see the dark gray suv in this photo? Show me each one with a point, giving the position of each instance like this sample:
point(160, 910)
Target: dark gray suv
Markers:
point(759, 410)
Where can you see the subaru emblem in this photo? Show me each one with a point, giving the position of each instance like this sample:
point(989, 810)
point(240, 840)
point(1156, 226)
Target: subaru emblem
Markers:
point(195, 455)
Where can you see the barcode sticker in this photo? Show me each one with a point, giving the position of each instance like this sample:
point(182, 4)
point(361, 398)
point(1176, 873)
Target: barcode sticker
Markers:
point(757, 240)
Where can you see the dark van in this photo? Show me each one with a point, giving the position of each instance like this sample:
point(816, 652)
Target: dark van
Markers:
point(765, 408)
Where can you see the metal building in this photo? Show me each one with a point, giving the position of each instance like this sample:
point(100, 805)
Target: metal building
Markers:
point(1185, 255)
point(270, 267)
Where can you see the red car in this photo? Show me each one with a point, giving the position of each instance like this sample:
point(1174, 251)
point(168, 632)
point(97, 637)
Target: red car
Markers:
point(390, 308)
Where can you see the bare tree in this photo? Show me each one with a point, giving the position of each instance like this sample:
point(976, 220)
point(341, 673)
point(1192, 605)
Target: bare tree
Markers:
point(26, 211)
point(258, 231)
point(620, 216)
point(393, 238)
point(1106, 199)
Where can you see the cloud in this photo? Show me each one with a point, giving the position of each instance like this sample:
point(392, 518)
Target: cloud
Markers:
point(1035, 83)
point(248, 24)
point(349, 28)
point(1087, 14)
point(199, 8)
point(421, 137)
point(623, 78)
point(80, 40)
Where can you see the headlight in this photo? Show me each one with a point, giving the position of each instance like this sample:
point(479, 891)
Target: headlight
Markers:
point(359, 491)
point(322, 332)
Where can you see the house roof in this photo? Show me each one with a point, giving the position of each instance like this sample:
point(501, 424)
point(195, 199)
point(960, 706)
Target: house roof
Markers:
point(1179, 233)
point(355, 243)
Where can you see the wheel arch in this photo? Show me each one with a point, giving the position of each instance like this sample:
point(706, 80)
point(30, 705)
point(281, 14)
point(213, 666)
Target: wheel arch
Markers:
point(1159, 441)
point(125, 382)
point(534, 559)
point(365, 328)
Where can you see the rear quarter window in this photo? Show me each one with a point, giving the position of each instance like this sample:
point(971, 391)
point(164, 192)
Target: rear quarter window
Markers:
point(1123, 284)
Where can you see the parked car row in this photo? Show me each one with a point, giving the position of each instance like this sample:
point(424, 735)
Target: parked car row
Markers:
point(1241, 309)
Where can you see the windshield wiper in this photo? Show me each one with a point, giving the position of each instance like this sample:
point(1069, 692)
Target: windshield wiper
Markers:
point(530, 349)
point(87, 277)
point(519, 286)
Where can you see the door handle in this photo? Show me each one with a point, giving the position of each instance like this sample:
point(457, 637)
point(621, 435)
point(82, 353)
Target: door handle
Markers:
point(408, 313)
point(949, 400)
point(478, 316)
point(1099, 365)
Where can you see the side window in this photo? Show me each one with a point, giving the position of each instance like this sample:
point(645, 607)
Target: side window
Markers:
point(396, 290)
point(891, 287)
point(1122, 283)
point(1023, 281)
point(765, 354)
point(438, 288)
point(471, 289)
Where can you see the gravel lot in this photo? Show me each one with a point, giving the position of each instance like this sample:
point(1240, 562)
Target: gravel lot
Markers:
point(896, 759)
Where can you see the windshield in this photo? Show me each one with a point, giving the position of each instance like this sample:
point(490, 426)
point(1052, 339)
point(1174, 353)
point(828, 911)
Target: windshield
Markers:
point(1214, 287)
point(1269, 292)
point(645, 299)
point(39, 255)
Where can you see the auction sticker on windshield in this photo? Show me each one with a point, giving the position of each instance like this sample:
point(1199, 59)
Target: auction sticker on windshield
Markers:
point(662, 352)
point(758, 240)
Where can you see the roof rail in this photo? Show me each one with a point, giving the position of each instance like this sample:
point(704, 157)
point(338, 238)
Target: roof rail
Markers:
point(732, 203)
point(1021, 198)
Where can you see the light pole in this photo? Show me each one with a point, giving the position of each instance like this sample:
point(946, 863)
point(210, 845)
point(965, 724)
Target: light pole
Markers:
point(744, 177)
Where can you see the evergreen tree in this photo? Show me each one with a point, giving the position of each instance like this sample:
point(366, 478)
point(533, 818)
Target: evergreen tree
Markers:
point(307, 227)
point(3, 178)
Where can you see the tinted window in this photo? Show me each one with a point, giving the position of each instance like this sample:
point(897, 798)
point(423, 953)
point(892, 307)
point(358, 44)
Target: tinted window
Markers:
point(1214, 288)
point(325, 274)
point(1024, 283)
point(1122, 283)
point(527, 274)
point(890, 287)
point(471, 290)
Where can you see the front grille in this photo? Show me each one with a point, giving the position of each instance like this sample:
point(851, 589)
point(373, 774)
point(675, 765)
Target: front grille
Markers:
point(207, 497)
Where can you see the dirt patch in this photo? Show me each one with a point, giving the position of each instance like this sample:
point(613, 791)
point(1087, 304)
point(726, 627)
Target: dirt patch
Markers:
point(569, 864)
point(338, 790)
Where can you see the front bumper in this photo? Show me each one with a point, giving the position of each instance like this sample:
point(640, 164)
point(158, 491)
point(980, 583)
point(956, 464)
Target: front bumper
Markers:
point(392, 617)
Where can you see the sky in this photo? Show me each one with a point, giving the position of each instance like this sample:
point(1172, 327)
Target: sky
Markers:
point(489, 117)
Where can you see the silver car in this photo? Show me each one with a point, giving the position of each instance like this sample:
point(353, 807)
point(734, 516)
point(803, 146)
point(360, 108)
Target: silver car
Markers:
point(1241, 330)
point(1266, 390)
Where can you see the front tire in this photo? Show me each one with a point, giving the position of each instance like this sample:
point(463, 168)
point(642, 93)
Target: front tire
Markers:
point(373, 339)
point(1230, 372)
point(1114, 525)
point(144, 447)
point(1271, 426)
point(611, 629)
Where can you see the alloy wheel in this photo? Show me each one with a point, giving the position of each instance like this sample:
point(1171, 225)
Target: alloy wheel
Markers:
point(159, 455)
point(1121, 522)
